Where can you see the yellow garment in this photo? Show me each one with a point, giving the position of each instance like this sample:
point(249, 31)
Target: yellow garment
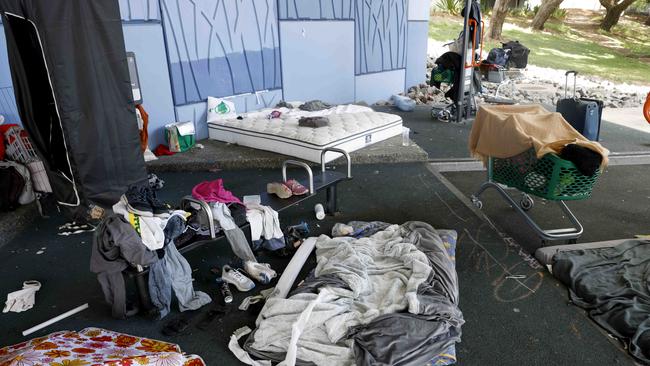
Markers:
point(503, 131)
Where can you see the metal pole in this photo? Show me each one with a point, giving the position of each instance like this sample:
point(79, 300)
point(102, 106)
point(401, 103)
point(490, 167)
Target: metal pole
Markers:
point(461, 87)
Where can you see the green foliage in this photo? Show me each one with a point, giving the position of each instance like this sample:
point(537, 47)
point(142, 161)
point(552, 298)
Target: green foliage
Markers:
point(568, 50)
point(559, 14)
point(452, 7)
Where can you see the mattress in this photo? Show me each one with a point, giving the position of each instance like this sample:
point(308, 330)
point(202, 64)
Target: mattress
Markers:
point(350, 128)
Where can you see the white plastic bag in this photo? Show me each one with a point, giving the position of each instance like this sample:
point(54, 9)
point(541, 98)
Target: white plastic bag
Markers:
point(403, 103)
point(219, 109)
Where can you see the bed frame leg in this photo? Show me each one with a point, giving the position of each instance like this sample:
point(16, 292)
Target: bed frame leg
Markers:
point(332, 206)
point(142, 289)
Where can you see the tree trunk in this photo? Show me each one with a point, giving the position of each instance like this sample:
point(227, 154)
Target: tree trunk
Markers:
point(545, 10)
point(614, 11)
point(499, 13)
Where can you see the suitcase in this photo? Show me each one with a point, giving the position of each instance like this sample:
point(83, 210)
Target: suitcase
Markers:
point(583, 114)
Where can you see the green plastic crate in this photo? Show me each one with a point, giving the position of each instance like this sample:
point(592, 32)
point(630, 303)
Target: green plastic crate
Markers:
point(550, 177)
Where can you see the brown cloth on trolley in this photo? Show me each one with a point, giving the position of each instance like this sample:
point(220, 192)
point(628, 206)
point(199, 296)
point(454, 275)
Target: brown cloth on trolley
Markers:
point(503, 131)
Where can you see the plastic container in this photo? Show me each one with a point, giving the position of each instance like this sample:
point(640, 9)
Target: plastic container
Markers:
point(550, 177)
point(320, 211)
point(406, 139)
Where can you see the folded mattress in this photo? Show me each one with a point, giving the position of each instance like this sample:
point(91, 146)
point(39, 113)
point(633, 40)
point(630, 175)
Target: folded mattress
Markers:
point(350, 128)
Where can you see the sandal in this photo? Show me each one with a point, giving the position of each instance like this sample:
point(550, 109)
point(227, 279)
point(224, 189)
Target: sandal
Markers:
point(296, 188)
point(279, 190)
point(176, 327)
point(212, 315)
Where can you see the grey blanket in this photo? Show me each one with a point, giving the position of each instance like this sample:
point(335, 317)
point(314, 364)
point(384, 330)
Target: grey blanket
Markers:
point(396, 289)
point(613, 285)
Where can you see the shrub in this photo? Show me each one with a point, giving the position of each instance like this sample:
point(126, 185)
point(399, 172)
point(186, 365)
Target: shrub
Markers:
point(449, 6)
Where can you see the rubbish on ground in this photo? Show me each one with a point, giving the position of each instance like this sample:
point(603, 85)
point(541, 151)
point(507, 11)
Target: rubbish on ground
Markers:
point(340, 229)
point(402, 103)
point(73, 227)
point(320, 211)
point(406, 140)
point(55, 319)
point(225, 292)
point(22, 300)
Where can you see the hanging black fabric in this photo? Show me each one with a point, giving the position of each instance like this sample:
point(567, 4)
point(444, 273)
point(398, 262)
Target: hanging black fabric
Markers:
point(475, 15)
point(70, 76)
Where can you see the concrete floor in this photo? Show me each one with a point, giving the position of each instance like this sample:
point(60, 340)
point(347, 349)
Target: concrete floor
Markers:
point(507, 323)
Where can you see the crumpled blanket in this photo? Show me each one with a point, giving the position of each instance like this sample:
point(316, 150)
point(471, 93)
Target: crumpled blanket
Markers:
point(523, 127)
point(613, 286)
point(396, 280)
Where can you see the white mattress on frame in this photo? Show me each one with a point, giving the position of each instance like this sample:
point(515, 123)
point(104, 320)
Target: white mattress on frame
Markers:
point(350, 128)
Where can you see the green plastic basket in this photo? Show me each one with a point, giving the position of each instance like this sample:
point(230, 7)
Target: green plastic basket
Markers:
point(550, 177)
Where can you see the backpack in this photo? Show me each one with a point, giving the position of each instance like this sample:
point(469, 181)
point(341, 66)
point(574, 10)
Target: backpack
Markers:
point(498, 56)
point(12, 184)
point(518, 54)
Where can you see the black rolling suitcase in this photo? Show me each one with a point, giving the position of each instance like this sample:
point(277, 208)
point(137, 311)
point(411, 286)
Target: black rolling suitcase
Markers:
point(583, 114)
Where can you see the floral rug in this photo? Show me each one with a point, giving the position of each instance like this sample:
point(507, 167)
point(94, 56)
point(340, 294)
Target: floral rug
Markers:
point(95, 347)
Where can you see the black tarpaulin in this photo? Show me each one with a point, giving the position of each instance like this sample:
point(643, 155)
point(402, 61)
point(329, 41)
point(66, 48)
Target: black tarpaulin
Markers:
point(70, 76)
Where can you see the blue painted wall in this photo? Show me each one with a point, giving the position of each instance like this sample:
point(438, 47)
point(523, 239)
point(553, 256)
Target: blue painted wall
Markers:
point(380, 35)
point(318, 60)
point(139, 10)
point(416, 56)
point(221, 48)
point(316, 9)
point(336, 50)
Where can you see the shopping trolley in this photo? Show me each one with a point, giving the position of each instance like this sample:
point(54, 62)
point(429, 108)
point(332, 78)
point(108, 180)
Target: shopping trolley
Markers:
point(549, 177)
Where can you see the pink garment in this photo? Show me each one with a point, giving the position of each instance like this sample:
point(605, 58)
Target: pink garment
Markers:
point(213, 191)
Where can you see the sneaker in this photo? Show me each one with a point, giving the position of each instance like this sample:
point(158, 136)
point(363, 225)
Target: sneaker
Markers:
point(262, 272)
point(158, 207)
point(296, 188)
point(236, 278)
point(279, 190)
point(136, 201)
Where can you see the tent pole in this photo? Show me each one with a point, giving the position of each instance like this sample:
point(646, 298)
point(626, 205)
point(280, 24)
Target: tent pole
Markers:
point(461, 88)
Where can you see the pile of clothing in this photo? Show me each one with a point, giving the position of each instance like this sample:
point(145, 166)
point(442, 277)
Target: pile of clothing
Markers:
point(391, 287)
point(228, 213)
point(141, 232)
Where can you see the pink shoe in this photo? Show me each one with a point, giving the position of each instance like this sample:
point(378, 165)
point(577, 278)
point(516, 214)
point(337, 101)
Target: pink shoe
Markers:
point(296, 188)
point(279, 189)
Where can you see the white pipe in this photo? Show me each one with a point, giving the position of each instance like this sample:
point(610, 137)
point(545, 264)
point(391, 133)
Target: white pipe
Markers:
point(288, 277)
point(55, 319)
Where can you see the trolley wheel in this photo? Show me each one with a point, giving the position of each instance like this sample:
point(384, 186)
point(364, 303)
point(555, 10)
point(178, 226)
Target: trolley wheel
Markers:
point(526, 202)
point(477, 202)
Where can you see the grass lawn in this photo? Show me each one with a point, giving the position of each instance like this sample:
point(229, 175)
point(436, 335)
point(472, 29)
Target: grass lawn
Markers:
point(562, 47)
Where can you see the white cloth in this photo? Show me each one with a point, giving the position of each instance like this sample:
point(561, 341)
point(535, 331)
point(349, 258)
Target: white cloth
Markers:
point(221, 214)
point(383, 273)
point(242, 355)
point(21, 300)
point(151, 229)
point(264, 222)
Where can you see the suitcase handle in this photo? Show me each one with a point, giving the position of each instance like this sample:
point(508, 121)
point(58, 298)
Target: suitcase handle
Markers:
point(566, 82)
